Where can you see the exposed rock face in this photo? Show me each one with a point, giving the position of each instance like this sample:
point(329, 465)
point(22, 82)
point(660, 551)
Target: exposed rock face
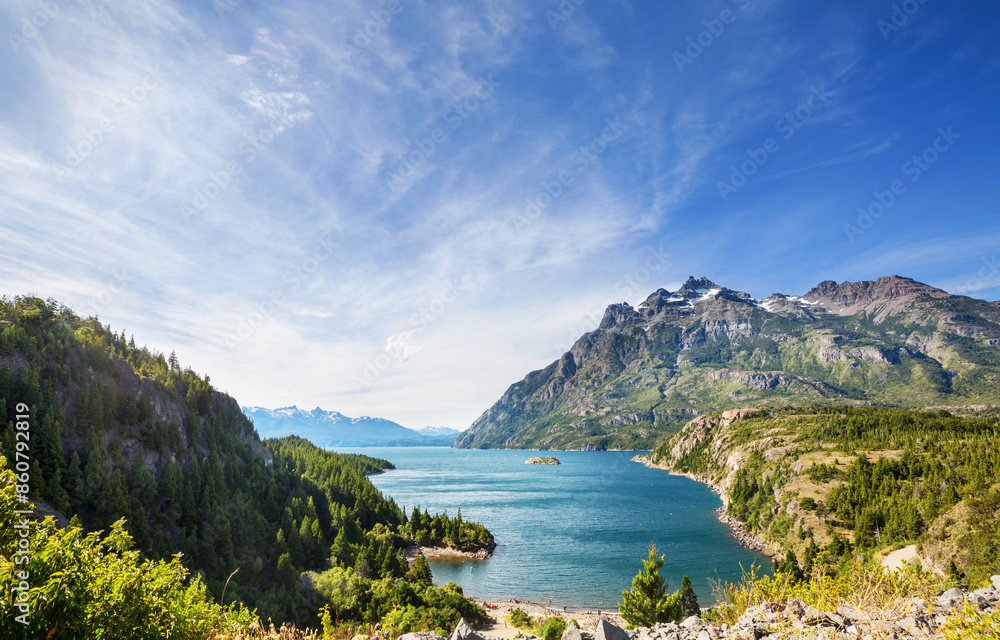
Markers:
point(704, 348)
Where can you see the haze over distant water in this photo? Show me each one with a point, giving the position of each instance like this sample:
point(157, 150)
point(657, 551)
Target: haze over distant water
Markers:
point(572, 533)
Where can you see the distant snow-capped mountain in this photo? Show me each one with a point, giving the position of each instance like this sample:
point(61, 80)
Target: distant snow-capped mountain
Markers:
point(334, 429)
point(438, 431)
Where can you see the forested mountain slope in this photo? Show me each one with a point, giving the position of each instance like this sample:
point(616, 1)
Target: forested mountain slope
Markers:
point(118, 431)
point(827, 481)
point(646, 371)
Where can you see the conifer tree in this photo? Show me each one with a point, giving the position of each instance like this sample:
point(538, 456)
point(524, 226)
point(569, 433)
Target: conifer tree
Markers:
point(689, 601)
point(648, 602)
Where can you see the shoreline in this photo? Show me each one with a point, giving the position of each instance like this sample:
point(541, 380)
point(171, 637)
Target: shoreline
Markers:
point(743, 537)
point(497, 610)
point(446, 552)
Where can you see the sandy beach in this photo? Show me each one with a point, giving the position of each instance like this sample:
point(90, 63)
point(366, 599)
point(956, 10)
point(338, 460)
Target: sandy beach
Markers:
point(498, 610)
point(444, 552)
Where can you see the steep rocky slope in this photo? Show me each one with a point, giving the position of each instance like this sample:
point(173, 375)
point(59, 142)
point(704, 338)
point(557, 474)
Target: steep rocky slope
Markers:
point(645, 371)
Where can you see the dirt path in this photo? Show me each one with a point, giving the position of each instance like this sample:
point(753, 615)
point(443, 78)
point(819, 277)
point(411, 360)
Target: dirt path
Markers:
point(894, 561)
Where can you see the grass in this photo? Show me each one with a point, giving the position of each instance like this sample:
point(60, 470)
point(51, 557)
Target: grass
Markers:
point(257, 631)
point(866, 585)
point(972, 624)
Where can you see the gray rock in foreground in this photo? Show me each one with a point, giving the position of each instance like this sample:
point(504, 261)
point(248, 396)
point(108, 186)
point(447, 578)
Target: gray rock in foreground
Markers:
point(420, 635)
point(572, 632)
point(464, 631)
point(607, 631)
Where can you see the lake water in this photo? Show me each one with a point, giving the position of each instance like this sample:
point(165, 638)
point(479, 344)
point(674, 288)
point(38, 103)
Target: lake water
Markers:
point(572, 534)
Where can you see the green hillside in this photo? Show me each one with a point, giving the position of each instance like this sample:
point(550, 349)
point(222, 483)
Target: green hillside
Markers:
point(826, 482)
point(118, 431)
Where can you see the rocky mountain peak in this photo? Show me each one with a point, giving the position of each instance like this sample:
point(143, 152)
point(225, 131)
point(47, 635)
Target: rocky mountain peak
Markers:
point(850, 295)
point(694, 288)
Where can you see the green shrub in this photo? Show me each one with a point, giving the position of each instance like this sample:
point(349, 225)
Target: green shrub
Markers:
point(552, 628)
point(83, 586)
point(520, 620)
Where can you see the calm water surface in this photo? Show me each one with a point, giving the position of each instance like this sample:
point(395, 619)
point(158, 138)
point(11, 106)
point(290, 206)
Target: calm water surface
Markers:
point(573, 534)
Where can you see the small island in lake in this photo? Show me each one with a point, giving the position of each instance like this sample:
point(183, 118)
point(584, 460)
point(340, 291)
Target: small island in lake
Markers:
point(541, 461)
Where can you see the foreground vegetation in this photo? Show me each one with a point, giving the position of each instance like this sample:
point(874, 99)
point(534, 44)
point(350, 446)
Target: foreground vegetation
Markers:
point(124, 440)
point(866, 587)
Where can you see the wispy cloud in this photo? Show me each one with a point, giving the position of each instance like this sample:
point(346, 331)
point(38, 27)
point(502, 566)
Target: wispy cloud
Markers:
point(218, 184)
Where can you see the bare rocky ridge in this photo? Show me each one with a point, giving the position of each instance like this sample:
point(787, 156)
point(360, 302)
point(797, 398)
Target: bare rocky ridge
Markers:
point(705, 348)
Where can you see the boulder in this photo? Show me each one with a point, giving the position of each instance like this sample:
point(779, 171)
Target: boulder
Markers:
point(464, 631)
point(795, 610)
point(996, 582)
point(607, 631)
point(950, 598)
point(849, 613)
point(693, 622)
point(572, 632)
point(420, 635)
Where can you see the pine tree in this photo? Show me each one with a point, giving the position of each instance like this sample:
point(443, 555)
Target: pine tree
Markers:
point(421, 571)
point(689, 601)
point(648, 602)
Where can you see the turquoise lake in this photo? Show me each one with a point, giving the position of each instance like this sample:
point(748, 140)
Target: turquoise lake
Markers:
point(572, 534)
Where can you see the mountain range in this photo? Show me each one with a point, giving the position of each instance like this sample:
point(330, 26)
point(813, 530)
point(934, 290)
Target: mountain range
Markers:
point(647, 370)
point(334, 429)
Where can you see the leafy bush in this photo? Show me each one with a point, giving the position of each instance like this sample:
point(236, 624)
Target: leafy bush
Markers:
point(972, 624)
point(83, 586)
point(520, 620)
point(552, 628)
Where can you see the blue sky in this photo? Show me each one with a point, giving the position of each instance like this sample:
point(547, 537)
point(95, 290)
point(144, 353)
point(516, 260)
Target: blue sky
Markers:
point(398, 209)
